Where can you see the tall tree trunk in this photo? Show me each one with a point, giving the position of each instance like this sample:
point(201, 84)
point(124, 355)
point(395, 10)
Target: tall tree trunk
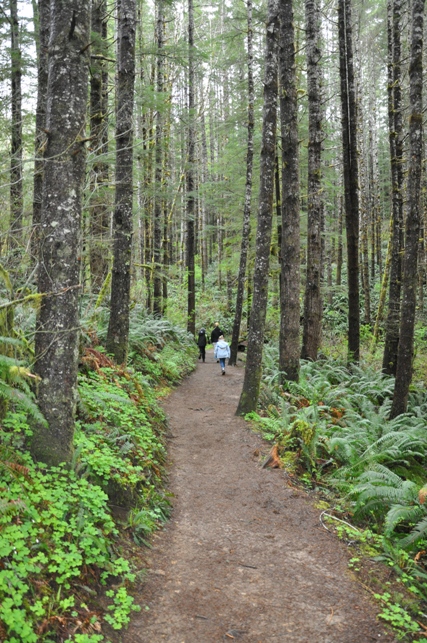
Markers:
point(395, 123)
point(251, 385)
point(43, 23)
point(16, 191)
point(351, 174)
point(313, 296)
point(118, 327)
point(99, 199)
point(289, 350)
point(248, 197)
point(340, 248)
point(364, 250)
point(204, 212)
point(158, 174)
point(149, 209)
point(191, 201)
point(412, 229)
point(166, 250)
point(57, 325)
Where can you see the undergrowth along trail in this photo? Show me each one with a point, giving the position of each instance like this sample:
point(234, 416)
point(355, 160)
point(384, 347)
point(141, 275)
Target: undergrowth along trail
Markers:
point(66, 569)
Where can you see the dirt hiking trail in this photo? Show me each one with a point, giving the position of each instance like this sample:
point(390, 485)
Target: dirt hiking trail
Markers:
point(244, 556)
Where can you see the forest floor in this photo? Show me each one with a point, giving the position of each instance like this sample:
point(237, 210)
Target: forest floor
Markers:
point(244, 556)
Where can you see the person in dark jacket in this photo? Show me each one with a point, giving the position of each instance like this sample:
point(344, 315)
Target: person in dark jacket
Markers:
point(215, 334)
point(201, 343)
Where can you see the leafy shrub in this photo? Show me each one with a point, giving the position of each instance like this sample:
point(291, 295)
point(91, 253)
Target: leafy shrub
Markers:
point(60, 542)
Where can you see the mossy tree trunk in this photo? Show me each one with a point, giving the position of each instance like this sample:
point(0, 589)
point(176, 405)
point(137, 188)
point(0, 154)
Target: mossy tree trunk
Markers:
point(405, 353)
point(99, 203)
point(159, 170)
point(313, 296)
point(57, 329)
point(118, 327)
point(289, 349)
point(244, 247)
point(395, 124)
point(351, 173)
point(190, 174)
point(43, 24)
point(16, 186)
point(251, 385)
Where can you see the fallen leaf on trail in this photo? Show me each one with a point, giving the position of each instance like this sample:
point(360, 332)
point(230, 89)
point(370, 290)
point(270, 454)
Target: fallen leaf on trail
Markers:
point(273, 459)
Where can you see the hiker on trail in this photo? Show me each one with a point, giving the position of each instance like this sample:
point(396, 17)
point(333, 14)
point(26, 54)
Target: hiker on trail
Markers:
point(222, 351)
point(215, 334)
point(201, 343)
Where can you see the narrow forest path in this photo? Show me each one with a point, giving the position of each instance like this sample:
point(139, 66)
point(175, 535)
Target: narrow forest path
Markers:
point(244, 556)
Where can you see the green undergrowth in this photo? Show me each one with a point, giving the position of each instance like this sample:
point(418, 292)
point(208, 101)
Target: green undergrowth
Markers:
point(332, 431)
point(65, 574)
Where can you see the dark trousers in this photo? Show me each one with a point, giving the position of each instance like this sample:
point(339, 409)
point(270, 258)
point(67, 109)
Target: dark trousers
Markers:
point(202, 352)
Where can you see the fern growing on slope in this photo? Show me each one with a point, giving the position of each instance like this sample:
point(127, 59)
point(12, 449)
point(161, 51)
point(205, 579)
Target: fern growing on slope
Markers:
point(380, 464)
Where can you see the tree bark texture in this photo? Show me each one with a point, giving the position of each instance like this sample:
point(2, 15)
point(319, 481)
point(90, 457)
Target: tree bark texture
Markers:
point(118, 328)
point(99, 175)
point(289, 349)
point(405, 351)
point(251, 385)
point(313, 296)
point(340, 241)
point(40, 137)
point(351, 174)
point(191, 200)
point(158, 178)
point(395, 123)
point(244, 247)
point(16, 188)
point(57, 329)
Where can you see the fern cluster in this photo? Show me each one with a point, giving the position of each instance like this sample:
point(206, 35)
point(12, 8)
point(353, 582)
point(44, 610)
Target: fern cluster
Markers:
point(379, 464)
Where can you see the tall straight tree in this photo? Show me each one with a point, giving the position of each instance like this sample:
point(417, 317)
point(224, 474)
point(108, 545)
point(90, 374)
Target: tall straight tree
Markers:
point(248, 195)
point(351, 173)
point(158, 178)
point(57, 329)
point(118, 327)
point(395, 124)
point(405, 351)
point(190, 174)
point(289, 349)
point(251, 385)
point(43, 23)
point(313, 296)
point(99, 201)
point(16, 188)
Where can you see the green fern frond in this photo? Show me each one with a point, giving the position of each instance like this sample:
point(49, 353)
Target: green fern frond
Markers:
point(8, 508)
point(402, 513)
point(23, 399)
point(379, 474)
point(419, 532)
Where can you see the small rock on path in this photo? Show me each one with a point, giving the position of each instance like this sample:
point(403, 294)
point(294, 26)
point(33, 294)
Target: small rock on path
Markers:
point(244, 556)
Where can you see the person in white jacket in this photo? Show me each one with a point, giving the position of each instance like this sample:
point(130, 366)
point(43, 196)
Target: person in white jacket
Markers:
point(222, 352)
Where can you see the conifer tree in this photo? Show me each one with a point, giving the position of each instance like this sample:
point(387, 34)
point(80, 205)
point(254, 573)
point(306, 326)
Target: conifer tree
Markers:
point(118, 328)
point(250, 393)
point(405, 353)
point(289, 349)
point(59, 268)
